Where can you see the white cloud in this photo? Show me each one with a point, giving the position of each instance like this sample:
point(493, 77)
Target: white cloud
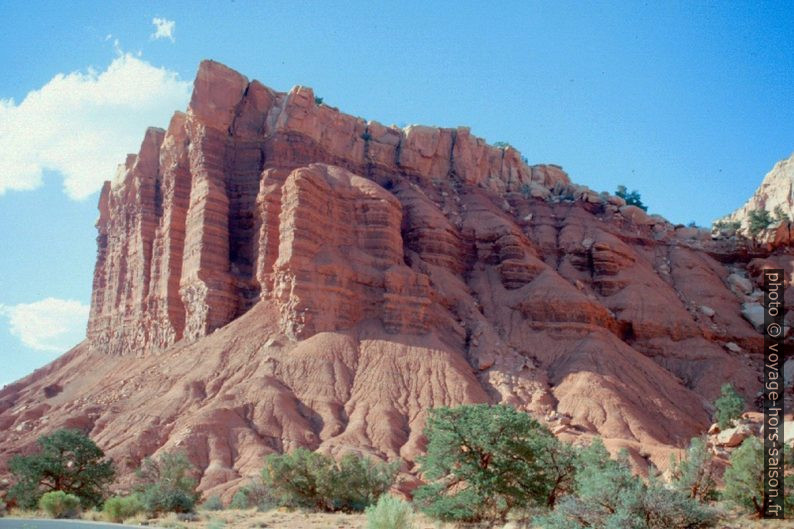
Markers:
point(51, 325)
point(82, 125)
point(164, 29)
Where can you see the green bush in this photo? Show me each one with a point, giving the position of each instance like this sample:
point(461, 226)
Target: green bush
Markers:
point(632, 198)
point(308, 480)
point(119, 508)
point(780, 215)
point(729, 406)
point(729, 226)
point(694, 473)
point(67, 461)
point(482, 461)
point(59, 504)
point(607, 495)
point(3, 507)
point(213, 503)
point(254, 494)
point(166, 484)
point(240, 500)
point(389, 513)
point(757, 220)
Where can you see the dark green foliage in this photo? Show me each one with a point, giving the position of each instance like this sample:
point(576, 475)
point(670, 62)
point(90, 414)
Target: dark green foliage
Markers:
point(309, 480)
point(318, 100)
point(67, 461)
point(484, 460)
point(744, 480)
point(728, 407)
point(694, 473)
point(607, 495)
point(166, 484)
point(757, 220)
point(366, 136)
point(119, 508)
point(632, 198)
point(780, 215)
point(501, 145)
point(59, 504)
point(213, 503)
point(692, 224)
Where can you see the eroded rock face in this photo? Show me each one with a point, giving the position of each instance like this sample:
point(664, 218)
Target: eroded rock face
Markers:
point(272, 273)
point(775, 194)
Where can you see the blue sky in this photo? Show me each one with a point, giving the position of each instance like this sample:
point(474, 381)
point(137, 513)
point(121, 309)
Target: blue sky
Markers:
point(688, 102)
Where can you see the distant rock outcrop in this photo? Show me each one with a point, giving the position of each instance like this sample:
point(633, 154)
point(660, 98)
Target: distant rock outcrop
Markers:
point(272, 273)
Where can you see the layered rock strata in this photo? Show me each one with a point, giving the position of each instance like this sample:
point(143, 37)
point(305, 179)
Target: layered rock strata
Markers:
point(273, 273)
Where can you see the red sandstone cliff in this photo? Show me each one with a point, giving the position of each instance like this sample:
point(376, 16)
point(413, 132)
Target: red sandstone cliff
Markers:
point(272, 273)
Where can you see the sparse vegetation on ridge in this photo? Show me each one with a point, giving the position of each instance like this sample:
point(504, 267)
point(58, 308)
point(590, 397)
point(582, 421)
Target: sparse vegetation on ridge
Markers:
point(632, 198)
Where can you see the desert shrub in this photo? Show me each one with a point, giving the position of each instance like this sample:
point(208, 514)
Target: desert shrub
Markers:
point(728, 407)
point(757, 220)
point(3, 507)
point(607, 495)
point(483, 460)
point(240, 500)
point(389, 513)
point(728, 226)
point(119, 508)
point(501, 145)
point(59, 504)
point(67, 461)
point(166, 484)
point(632, 198)
point(694, 473)
point(213, 503)
point(318, 100)
point(254, 494)
point(308, 480)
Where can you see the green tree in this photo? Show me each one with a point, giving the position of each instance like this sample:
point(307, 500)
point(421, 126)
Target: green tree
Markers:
point(67, 461)
point(608, 495)
point(632, 198)
point(484, 460)
point(310, 480)
point(744, 479)
point(166, 484)
point(757, 220)
point(694, 473)
point(728, 407)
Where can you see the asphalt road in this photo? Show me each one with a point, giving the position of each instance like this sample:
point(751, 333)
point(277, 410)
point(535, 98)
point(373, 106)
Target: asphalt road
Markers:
point(26, 523)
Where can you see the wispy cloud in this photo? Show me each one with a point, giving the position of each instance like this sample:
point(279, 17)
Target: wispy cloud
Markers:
point(164, 29)
point(82, 124)
point(49, 325)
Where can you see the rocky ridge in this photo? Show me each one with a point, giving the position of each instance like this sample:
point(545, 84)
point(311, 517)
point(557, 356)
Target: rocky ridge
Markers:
point(273, 273)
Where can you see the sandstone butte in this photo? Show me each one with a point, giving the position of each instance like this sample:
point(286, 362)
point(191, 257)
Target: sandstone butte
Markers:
point(272, 273)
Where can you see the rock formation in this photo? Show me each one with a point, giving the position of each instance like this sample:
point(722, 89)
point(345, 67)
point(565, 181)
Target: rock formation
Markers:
point(776, 196)
point(273, 273)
